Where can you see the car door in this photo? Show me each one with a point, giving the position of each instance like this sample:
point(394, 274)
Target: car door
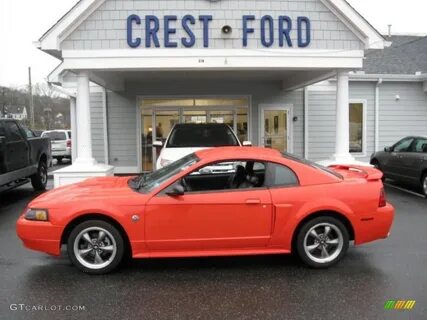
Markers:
point(209, 220)
point(413, 162)
point(394, 166)
point(16, 147)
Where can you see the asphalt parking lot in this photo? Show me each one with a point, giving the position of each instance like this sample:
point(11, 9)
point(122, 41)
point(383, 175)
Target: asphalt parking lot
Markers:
point(272, 287)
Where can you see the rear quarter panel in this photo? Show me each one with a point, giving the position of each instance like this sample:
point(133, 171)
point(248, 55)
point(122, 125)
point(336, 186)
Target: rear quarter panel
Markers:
point(356, 199)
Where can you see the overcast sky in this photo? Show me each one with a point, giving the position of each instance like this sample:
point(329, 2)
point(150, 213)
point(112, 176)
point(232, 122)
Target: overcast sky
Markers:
point(24, 21)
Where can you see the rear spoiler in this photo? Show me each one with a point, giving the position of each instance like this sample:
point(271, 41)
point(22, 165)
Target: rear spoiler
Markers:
point(369, 173)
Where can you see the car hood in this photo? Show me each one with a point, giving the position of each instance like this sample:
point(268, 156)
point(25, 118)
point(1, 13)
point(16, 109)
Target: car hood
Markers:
point(105, 188)
point(173, 154)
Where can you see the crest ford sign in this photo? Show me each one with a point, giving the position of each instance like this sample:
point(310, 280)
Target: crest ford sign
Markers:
point(279, 31)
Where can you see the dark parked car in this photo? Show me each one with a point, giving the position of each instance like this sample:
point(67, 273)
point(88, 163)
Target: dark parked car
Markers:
point(406, 161)
point(23, 156)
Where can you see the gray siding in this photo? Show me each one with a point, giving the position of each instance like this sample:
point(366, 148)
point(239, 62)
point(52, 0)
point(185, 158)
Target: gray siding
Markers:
point(321, 124)
point(97, 126)
point(404, 117)
point(122, 130)
point(122, 108)
point(322, 120)
point(106, 27)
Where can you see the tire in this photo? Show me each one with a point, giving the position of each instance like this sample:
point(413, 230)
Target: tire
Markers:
point(377, 165)
point(39, 179)
point(310, 248)
point(86, 260)
point(424, 184)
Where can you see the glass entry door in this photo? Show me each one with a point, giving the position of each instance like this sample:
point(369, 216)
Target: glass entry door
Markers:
point(159, 115)
point(275, 132)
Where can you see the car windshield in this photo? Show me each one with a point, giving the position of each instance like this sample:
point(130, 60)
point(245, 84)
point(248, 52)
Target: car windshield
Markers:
point(311, 164)
point(146, 183)
point(55, 135)
point(195, 136)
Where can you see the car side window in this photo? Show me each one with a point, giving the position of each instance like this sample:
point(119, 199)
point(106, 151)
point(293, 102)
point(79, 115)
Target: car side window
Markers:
point(226, 175)
point(280, 175)
point(14, 132)
point(420, 146)
point(403, 146)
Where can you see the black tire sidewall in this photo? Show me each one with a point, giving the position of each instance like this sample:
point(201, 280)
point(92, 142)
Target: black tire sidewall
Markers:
point(36, 180)
point(114, 232)
point(306, 227)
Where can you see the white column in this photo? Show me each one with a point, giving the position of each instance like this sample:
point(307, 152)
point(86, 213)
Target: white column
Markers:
point(342, 144)
point(73, 122)
point(84, 135)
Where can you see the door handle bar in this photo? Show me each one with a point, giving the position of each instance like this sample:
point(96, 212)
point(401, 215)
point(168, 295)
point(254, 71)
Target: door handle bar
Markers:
point(253, 201)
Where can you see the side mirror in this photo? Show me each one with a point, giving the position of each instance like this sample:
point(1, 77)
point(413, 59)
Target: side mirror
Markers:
point(247, 144)
point(157, 144)
point(177, 191)
point(388, 149)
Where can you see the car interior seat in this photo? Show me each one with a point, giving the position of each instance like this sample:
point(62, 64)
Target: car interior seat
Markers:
point(238, 178)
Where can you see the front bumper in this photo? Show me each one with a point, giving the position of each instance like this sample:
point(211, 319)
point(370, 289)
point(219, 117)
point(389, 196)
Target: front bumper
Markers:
point(376, 227)
point(40, 236)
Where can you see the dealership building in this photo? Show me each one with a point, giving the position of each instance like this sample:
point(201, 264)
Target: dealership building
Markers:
point(311, 77)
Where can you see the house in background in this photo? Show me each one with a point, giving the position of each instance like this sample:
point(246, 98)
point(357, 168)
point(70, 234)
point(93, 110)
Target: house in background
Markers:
point(14, 112)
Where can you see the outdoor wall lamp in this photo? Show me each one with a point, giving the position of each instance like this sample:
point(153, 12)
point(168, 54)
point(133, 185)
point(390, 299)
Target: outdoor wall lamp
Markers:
point(227, 29)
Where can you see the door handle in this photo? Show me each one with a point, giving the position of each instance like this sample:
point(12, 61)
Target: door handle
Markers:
point(253, 201)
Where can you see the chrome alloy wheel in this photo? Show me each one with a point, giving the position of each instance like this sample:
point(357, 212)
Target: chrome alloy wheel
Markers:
point(43, 174)
point(323, 243)
point(425, 185)
point(95, 248)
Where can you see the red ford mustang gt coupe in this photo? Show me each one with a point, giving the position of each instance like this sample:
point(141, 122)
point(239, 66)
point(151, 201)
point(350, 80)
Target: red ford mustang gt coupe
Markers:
point(217, 202)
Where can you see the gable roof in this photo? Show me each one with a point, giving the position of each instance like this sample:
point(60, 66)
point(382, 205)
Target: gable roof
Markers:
point(51, 40)
point(406, 55)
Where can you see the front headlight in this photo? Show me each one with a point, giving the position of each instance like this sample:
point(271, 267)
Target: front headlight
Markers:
point(37, 215)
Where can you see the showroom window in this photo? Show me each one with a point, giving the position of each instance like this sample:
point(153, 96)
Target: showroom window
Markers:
point(357, 127)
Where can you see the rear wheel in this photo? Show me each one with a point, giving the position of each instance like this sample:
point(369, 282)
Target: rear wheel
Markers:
point(96, 247)
point(322, 242)
point(39, 179)
point(424, 184)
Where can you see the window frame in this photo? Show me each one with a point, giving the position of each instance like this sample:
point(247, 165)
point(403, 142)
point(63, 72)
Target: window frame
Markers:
point(264, 187)
point(364, 103)
point(10, 135)
point(415, 142)
point(268, 175)
point(409, 149)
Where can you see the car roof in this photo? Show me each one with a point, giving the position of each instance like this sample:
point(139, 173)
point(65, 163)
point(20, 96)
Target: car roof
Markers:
point(238, 152)
point(201, 125)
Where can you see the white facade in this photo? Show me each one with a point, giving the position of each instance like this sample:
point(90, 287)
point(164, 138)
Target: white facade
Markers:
point(139, 51)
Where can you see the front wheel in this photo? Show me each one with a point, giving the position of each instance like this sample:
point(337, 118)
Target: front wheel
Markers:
point(39, 179)
point(322, 242)
point(95, 247)
point(424, 184)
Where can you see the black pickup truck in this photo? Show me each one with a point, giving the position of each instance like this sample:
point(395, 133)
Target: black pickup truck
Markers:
point(23, 156)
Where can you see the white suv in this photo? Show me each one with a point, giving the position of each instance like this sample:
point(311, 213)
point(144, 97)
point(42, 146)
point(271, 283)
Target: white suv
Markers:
point(61, 143)
point(188, 138)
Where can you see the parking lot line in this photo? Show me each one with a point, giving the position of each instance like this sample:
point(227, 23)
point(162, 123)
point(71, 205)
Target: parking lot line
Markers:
point(405, 190)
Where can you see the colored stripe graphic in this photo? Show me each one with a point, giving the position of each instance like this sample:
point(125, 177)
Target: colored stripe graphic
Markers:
point(399, 305)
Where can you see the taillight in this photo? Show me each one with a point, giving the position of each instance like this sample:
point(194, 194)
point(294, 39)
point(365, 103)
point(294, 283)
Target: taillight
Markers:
point(383, 201)
point(69, 144)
